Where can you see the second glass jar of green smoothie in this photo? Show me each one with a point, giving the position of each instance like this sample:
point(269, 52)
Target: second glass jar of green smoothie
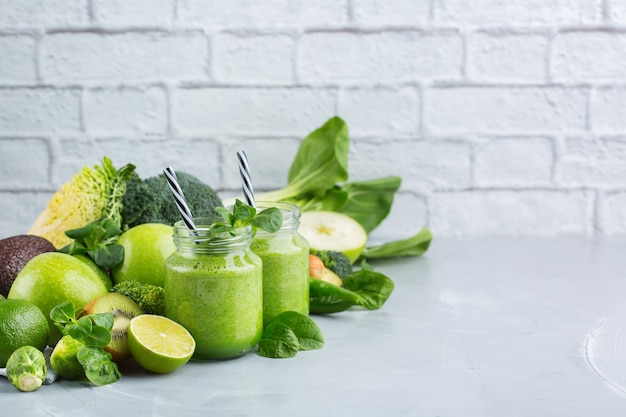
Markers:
point(213, 287)
point(285, 256)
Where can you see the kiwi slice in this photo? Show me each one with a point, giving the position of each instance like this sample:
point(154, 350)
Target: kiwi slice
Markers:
point(123, 310)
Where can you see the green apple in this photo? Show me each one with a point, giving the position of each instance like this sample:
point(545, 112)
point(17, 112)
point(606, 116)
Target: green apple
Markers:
point(52, 278)
point(106, 279)
point(146, 248)
point(330, 230)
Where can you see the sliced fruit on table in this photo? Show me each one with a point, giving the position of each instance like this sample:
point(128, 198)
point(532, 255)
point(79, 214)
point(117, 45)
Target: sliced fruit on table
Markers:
point(159, 344)
point(123, 310)
point(329, 230)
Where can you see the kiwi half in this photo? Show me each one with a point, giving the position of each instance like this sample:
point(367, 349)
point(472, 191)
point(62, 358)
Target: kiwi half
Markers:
point(123, 310)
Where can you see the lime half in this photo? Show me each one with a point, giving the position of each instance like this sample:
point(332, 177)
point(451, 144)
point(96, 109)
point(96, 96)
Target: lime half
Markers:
point(159, 344)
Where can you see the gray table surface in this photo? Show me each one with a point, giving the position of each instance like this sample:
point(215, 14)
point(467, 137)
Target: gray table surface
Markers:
point(475, 327)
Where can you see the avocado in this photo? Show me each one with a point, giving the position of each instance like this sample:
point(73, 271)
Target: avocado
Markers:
point(15, 252)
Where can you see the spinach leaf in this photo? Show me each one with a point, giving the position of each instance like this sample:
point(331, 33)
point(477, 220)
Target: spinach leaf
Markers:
point(306, 330)
point(320, 163)
point(373, 288)
point(412, 246)
point(278, 341)
point(369, 202)
point(366, 288)
point(288, 333)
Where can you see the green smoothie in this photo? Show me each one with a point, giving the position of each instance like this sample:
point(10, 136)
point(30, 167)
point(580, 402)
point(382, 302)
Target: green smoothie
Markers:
point(216, 294)
point(285, 256)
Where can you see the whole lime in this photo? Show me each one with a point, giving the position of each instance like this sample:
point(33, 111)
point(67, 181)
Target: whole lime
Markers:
point(21, 324)
point(146, 248)
point(52, 278)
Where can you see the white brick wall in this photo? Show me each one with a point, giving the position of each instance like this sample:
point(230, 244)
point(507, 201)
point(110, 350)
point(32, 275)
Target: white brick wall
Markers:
point(502, 117)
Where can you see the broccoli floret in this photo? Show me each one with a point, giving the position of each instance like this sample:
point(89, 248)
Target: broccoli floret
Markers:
point(335, 261)
point(150, 200)
point(151, 298)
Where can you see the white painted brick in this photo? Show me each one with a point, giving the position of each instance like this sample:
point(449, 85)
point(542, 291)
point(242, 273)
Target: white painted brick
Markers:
point(340, 56)
point(589, 55)
point(200, 157)
point(17, 59)
point(409, 213)
point(380, 110)
point(391, 12)
point(608, 112)
point(126, 111)
point(269, 159)
point(612, 213)
point(39, 110)
point(133, 13)
point(510, 213)
point(110, 57)
point(252, 13)
point(19, 211)
point(617, 10)
point(19, 170)
point(514, 162)
point(264, 111)
point(253, 58)
point(505, 109)
point(20, 13)
point(517, 12)
point(503, 57)
point(592, 161)
point(422, 165)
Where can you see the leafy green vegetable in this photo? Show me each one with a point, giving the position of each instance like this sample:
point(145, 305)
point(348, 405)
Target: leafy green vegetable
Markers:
point(150, 200)
point(412, 246)
point(64, 359)
point(92, 194)
point(318, 178)
point(366, 288)
point(288, 333)
point(26, 368)
point(242, 215)
point(278, 341)
point(320, 163)
point(306, 330)
point(97, 241)
point(80, 352)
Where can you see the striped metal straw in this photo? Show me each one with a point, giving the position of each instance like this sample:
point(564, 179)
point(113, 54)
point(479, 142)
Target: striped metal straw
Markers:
point(246, 181)
point(179, 198)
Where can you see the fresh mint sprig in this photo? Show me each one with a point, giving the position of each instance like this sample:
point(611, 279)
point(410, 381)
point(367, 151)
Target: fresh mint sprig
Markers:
point(242, 215)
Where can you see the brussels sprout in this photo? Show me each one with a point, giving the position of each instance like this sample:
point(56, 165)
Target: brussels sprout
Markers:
point(64, 360)
point(26, 368)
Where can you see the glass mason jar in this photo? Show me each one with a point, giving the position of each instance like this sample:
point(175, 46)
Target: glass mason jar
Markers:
point(285, 256)
point(213, 287)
